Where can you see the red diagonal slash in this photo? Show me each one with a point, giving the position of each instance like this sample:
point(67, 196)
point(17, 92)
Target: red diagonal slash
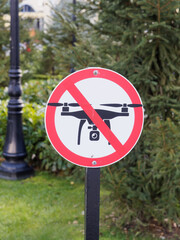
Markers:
point(95, 118)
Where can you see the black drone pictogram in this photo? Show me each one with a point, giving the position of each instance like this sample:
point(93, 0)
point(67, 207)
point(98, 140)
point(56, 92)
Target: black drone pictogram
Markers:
point(106, 115)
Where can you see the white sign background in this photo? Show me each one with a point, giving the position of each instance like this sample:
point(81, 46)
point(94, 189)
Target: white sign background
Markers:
point(97, 91)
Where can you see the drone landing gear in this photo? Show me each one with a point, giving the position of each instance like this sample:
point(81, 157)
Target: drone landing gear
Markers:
point(82, 122)
point(109, 125)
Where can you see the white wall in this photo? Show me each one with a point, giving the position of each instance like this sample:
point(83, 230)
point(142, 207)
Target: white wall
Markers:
point(41, 6)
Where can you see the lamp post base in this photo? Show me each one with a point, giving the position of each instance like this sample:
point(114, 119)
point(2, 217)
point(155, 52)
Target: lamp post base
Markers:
point(15, 171)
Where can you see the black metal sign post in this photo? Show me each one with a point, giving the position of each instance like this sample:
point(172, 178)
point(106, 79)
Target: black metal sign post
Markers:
point(92, 202)
point(14, 167)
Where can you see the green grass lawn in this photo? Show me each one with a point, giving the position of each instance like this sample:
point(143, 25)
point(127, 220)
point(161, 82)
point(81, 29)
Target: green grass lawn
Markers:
point(46, 207)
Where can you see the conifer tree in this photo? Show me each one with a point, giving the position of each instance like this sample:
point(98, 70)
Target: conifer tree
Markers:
point(57, 41)
point(143, 40)
point(140, 39)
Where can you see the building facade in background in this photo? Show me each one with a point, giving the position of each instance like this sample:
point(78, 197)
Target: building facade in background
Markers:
point(38, 11)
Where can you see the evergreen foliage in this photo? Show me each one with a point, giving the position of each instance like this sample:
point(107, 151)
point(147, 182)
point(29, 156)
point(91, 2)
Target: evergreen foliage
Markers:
point(40, 154)
point(141, 40)
point(30, 49)
point(30, 53)
point(58, 52)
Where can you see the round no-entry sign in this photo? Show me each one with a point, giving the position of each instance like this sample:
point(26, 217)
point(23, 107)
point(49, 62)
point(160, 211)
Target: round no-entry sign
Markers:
point(94, 117)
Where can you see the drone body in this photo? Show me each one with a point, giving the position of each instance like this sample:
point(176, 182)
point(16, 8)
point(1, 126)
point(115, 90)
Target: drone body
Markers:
point(106, 116)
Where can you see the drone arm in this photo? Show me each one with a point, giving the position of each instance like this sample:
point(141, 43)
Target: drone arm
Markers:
point(82, 122)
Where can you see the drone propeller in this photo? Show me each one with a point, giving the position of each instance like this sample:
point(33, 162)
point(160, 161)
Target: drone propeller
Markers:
point(55, 104)
point(73, 104)
point(63, 104)
point(134, 105)
point(120, 105)
point(112, 105)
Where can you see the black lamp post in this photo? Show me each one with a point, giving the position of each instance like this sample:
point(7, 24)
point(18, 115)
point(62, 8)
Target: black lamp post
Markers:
point(14, 167)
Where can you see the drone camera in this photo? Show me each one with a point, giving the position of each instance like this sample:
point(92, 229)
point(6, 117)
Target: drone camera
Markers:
point(94, 135)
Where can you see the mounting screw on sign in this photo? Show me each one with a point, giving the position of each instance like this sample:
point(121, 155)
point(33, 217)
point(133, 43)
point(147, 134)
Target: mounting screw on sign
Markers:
point(95, 72)
point(94, 162)
point(94, 112)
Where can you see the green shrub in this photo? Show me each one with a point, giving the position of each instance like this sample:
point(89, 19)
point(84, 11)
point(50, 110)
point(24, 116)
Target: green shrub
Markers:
point(38, 91)
point(3, 123)
point(40, 153)
point(146, 184)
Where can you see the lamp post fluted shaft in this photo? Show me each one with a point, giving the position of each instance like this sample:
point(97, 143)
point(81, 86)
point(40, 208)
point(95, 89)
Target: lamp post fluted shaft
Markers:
point(14, 167)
